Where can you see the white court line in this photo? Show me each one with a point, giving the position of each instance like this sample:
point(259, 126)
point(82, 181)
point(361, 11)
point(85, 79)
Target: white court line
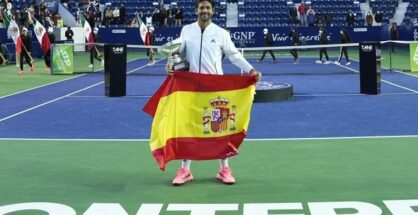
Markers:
point(76, 76)
point(254, 139)
point(388, 82)
point(145, 96)
point(349, 94)
point(48, 102)
point(62, 97)
point(34, 88)
point(301, 95)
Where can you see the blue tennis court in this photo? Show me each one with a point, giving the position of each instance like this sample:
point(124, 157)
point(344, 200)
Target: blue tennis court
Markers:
point(327, 104)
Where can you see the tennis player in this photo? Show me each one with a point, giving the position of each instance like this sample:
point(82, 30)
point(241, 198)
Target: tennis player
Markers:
point(203, 45)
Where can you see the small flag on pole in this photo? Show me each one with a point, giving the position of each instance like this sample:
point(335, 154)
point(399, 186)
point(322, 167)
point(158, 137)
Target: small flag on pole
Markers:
point(42, 36)
point(88, 33)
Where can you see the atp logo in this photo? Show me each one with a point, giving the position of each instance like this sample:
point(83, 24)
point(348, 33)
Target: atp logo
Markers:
point(117, 50)
point(366, 48)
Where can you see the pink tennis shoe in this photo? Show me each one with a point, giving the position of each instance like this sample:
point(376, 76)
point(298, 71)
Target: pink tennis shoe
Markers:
point(225, 176)
point(183, 176)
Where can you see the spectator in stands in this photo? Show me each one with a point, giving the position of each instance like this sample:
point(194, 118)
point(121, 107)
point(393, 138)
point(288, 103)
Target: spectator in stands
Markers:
point(26, 51)
point(208, 60)
point(122, 14)
point(148, 19)
point(350, 18)
point(394, 35)
point(293, 14)
point(142, 16)
point(310, 9)
point(2, 54)
point(369, 19)
point(222, 9)
point(21, 17)
point(47, 55)
point(149, 41)
point(116, 16)
point(179, 16)
point(94, 52)
point(323, 40)
point(42, 8)
point(48, 23)
point(329, 18)
point(303, 14)
point(91, 8)
point(344, 38)
point(311, 18)
point(156, 17)
point(319, 19)
point(170, 18)
point(69, 34)
point(162, 16)
point(378, 18)
point(108, 16)
point(294, 37)
point(60, 22)
point(1, 16)
point(268, 42)
point(97, 5)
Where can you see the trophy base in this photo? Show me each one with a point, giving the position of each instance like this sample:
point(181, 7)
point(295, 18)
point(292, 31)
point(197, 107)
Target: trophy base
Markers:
point(272, 92)
point(183, 66)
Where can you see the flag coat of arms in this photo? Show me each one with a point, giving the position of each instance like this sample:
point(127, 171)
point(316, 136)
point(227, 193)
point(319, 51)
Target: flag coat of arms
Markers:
point(42, 36)
point(14, 32)
point(143, 30)
point(88, 33)
point(200, 116)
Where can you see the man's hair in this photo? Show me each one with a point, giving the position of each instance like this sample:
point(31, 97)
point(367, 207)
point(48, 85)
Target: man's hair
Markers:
point(210, 1)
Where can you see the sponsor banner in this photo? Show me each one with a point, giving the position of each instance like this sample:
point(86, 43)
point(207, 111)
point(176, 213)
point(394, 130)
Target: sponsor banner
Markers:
point(394, 207)
point(250, 36)
point(62, 59)
point(52, 5)
point(246, 36)
point(413, 49)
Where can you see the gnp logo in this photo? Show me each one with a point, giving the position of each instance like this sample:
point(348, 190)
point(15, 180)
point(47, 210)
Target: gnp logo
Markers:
point(243, 38)
point(117, 50)
point(366, 48)
point(395, 207)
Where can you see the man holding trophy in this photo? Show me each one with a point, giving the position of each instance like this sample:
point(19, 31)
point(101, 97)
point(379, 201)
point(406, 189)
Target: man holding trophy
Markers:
point(199, 49)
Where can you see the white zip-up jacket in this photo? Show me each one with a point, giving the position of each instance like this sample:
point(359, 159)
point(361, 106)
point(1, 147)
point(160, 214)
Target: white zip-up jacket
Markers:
point(204, 50)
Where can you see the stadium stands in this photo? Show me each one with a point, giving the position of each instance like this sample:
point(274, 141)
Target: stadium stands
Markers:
point(253, 13)
point(411, 15)
point(387, 7)
point(276, 13)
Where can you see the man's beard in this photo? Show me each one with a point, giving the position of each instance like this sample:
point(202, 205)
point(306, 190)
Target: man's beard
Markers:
point(205, 17)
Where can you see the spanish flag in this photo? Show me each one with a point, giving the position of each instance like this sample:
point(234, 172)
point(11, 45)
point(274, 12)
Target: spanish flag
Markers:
point(200, 116)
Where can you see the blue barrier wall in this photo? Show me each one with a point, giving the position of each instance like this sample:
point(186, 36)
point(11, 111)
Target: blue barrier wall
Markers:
point(253, 37)
point(245, 37)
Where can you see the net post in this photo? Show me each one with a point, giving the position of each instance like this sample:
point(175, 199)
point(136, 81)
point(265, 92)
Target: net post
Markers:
point(370, 76)
point(115, 70)
point(242, 52)
point(390, 59)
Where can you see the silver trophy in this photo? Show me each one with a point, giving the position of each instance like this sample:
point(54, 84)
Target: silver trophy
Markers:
point(171, 49)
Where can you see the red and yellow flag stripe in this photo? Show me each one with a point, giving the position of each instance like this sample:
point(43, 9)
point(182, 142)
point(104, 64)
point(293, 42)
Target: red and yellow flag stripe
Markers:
point(199, 116)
